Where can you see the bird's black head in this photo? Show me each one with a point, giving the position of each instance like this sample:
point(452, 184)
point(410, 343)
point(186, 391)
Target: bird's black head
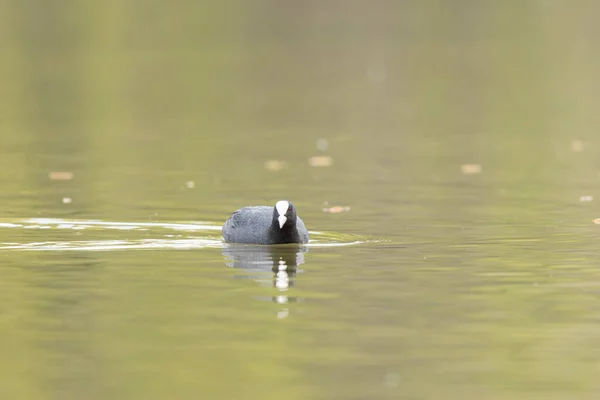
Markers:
point(284, 214)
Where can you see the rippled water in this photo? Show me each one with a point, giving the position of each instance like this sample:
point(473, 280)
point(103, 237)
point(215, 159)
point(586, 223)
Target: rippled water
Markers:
point(443, 156)
point(170, 235)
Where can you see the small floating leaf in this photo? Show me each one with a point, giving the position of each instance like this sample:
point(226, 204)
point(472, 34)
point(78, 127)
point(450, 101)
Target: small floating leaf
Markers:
point(577, 146)
point(320, 161)
point(275, 165)
point(470, 169)
point(60, 176)
point(336, 209)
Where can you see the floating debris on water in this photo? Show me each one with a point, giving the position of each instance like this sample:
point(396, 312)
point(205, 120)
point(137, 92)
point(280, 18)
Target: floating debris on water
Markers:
point(320, 161)
point(61, 176)
point(577, 146)
point(470, 169)
point(597, 221)
point(190, 184)
point(336, 209)
point(67, 200)
point(584, 199)
point(275, 165)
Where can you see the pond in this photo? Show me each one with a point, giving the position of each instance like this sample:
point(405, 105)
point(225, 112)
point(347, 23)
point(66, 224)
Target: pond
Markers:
point(444, 159)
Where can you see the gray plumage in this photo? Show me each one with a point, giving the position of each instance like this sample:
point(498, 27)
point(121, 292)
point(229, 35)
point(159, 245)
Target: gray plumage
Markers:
point(259, 225)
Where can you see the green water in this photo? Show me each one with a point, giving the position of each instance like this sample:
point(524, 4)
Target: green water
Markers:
point(461, 147)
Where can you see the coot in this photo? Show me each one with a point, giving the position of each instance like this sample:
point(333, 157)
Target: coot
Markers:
point(265, 225)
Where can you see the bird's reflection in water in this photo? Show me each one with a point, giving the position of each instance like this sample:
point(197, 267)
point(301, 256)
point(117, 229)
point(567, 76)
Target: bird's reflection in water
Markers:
point(281, 262)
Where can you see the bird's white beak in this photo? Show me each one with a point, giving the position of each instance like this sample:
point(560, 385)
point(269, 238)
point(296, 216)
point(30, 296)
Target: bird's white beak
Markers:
point(281, 219)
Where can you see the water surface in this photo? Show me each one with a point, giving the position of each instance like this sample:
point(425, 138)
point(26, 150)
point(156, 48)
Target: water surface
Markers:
point(452, 206)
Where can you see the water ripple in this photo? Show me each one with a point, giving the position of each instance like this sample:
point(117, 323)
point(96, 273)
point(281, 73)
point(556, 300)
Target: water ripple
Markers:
point(171, 235)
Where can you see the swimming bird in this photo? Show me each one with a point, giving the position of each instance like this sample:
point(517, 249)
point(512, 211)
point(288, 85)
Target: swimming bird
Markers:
point(265, 225)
